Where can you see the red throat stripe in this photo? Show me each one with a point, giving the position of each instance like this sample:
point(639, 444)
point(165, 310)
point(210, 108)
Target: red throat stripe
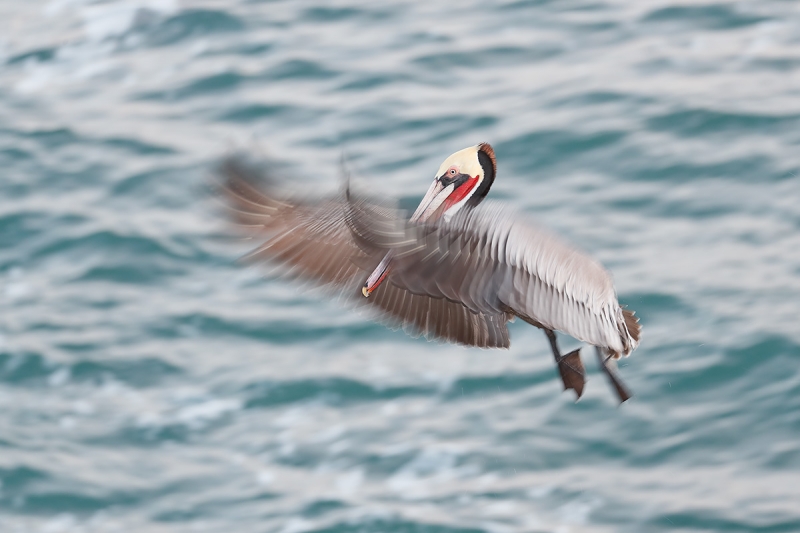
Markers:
point(377, 283)
point(460, 193)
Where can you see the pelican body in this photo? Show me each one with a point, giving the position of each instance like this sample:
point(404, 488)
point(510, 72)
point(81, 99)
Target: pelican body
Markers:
point(459, 269)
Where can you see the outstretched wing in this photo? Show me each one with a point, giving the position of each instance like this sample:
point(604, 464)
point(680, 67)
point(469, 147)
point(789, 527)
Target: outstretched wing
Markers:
point(492, 260)
point(312, 240)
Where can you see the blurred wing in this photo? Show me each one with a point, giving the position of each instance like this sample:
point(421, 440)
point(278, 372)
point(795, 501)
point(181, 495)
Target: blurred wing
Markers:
point(302, 236)
point(438, 318)
point(492, 261)
point(312, 240)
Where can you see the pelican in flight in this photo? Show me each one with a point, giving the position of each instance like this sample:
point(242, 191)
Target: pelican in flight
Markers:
point(459, 269)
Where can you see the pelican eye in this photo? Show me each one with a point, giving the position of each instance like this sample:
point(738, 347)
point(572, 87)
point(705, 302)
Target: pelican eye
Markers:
point(448, 177)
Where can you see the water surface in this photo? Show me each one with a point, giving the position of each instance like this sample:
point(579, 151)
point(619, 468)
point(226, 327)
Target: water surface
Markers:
point(150, 383)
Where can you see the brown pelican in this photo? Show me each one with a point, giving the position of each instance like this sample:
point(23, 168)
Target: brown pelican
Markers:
point(457, 270)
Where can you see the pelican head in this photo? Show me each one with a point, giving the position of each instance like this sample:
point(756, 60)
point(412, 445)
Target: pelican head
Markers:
point(464, 178)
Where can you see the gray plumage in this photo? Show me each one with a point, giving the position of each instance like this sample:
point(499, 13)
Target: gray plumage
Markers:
point(492, 261)
point(457, 269)
point(312, 240)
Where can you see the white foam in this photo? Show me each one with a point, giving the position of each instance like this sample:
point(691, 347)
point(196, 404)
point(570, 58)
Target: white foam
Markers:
point(109, 19)
point(576, 512)
point(59, 523)
point(83, 407)
point(295, 525)
point(200, 414)
point(59, 377)
point(17, 291)
point(265, 478)
point(350, 482)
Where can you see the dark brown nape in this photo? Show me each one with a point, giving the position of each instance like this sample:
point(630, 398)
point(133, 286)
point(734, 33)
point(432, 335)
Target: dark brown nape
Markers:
point(486, 150)
point(488, 162)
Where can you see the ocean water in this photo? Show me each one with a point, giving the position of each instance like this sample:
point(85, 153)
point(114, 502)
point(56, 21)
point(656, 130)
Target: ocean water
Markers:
point(149, 382)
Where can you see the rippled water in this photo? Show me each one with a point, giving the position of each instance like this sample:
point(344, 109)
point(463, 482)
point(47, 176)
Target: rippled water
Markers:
point(149, 383)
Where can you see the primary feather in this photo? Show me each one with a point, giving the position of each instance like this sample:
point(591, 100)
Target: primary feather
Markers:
point(492, 260)
point(312, 240)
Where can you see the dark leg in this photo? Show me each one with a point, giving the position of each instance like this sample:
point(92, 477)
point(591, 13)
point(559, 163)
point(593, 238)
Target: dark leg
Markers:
point(610, 368)
point(569, 366)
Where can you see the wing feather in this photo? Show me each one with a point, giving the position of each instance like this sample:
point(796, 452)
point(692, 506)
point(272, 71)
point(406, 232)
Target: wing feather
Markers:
point(312, 240)
point(508, 262)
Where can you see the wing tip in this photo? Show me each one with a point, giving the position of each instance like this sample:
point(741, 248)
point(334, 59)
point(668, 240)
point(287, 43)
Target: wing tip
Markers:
point(236, 175)
point(632, 325)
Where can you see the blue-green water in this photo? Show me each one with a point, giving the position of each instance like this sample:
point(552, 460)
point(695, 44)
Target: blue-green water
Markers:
point(149, 383)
